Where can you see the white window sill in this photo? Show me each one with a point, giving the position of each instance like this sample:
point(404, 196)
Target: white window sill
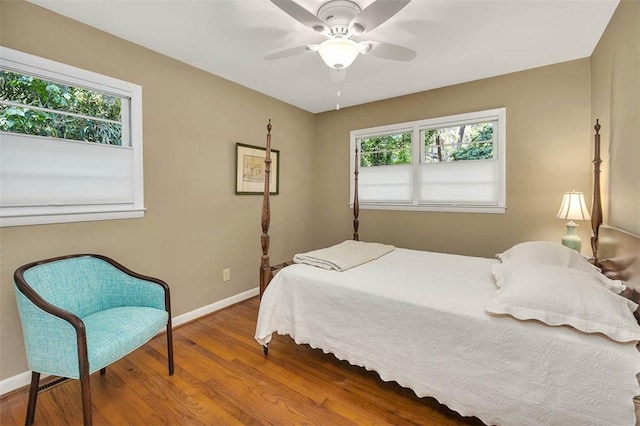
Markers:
point(428, 208)
point(67, 217)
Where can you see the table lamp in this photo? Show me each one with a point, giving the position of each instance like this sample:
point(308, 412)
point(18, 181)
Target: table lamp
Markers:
point(573, 208)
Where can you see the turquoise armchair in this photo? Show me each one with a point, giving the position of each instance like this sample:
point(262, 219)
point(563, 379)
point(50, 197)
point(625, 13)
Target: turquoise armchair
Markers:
point(80, 313)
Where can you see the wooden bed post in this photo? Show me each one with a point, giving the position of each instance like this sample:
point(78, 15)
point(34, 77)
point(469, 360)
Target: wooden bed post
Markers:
point(265, 268)
point(596, 208)
point(356, 202)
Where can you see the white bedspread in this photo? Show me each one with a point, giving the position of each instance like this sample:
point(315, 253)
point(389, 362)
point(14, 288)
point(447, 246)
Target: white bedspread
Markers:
point(346, 255)
point(418, 318)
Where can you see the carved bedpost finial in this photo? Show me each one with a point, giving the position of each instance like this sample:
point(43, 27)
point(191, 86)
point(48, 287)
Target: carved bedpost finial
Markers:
point(597, 126)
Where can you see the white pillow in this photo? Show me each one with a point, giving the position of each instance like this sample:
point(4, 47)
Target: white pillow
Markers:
point(547, 253)
point(563, 296)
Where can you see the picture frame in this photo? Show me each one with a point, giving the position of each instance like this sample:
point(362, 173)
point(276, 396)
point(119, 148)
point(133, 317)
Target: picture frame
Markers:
point(250, 170)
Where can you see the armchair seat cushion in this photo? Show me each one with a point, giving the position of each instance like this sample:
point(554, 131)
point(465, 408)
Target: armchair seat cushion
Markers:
point(115, 332)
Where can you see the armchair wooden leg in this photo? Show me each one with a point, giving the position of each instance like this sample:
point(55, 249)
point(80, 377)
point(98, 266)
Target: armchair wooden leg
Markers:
point(170, 347)
point(33, 398)
point(85, 386)
point(103, 371)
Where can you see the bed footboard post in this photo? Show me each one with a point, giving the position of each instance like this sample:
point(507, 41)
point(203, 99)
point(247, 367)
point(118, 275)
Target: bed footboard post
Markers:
point(265, 268)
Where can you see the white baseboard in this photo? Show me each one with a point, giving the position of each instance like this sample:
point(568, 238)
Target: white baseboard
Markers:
point(23, 379)
point(205, 310)
point(15, 382)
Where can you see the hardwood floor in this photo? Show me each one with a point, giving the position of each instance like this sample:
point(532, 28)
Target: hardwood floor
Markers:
point(223, 377)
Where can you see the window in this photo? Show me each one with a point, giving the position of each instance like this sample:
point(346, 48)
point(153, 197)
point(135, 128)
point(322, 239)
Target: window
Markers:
point(454, 164)
point(70, 143)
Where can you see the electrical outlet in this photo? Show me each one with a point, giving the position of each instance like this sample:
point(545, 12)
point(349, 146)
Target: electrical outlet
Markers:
point(226, 274)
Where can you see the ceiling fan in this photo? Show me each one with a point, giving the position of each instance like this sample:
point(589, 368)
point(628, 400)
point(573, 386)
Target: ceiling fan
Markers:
point(343, 22)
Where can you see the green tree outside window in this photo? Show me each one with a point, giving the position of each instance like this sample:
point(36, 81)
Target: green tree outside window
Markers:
point(33, 106)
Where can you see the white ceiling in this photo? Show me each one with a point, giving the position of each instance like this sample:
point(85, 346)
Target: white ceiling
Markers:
point(455, 40)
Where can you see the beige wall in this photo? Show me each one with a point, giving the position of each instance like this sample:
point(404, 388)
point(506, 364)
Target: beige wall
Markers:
point(548, 153)
point(195, 225)
point(615, 86)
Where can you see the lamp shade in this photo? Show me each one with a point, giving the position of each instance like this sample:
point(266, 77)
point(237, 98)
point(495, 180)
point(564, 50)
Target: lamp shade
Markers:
point(573, 207)
point(338, 53)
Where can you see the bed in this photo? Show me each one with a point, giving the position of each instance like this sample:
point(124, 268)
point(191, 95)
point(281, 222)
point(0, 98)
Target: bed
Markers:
point(536, 336)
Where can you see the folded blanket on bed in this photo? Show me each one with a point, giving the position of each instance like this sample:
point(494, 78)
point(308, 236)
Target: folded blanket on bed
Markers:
point(343, 256)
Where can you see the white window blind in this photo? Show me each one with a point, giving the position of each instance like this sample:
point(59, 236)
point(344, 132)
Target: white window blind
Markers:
point(386, 183)
point(43, 172)
point(459, 183)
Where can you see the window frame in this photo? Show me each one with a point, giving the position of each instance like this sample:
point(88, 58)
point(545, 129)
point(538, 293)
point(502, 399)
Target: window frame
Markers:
point(25, 63)
point(418, 128)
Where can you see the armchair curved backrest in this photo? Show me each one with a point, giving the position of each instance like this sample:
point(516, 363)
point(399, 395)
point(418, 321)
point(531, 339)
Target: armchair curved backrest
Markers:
point(87, 284)
point(80, 313)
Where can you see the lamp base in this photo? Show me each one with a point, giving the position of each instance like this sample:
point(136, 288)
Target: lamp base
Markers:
point(572, 240)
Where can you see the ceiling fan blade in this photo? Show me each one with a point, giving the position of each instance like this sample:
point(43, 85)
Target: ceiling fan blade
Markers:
point(301, 15)
point(381, 49)
point(375, 14)
point(293, 51)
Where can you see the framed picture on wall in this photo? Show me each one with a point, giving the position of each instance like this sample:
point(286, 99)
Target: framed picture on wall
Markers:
point(250, 170)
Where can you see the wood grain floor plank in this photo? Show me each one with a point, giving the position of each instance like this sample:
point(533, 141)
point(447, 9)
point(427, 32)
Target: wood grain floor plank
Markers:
point(14, 410)
point(184, 392)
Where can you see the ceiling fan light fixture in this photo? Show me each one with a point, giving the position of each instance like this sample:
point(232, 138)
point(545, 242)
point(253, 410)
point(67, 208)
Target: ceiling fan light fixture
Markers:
point(338, 53)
